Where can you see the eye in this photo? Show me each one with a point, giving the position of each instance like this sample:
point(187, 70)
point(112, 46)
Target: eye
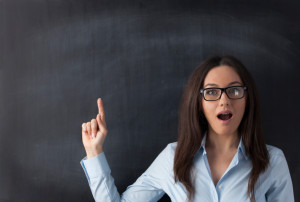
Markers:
point(211, 92)
point(234, 91)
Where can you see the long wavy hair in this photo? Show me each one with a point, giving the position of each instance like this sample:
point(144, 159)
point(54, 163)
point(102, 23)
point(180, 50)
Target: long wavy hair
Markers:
point(192, 125)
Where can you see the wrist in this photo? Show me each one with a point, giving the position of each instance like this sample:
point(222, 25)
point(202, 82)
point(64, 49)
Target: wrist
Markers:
point(93, 153)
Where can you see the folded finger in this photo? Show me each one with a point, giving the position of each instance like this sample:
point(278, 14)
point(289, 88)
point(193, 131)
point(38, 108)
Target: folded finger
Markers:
point(83, 126)
point(94, 127)
point(88, 128)
point(84, 131)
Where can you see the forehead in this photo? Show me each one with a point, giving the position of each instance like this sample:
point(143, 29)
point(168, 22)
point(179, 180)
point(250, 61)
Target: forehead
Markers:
point(221, 76)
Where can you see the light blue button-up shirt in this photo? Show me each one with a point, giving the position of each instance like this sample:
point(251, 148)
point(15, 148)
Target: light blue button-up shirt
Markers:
point(274, 184)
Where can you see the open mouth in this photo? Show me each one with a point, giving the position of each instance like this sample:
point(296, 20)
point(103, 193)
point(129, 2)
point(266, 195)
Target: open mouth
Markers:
point(224, 116)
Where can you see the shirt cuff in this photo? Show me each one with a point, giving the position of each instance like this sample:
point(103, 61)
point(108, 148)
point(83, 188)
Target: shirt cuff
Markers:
point(96, 166)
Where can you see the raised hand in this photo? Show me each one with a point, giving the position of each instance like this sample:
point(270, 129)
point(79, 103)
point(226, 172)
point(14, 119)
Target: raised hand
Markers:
point(94, 133)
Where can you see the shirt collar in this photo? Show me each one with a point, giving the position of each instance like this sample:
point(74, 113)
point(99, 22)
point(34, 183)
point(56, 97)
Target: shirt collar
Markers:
point(241, 147)
point(202, 147)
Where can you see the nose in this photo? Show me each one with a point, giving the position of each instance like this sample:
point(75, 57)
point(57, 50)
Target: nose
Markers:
point(224, 100)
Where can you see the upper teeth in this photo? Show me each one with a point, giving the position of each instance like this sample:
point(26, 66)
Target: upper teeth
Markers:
point(226, 113)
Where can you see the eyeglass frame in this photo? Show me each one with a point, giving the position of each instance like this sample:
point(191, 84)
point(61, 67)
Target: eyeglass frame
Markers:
point(223, 90)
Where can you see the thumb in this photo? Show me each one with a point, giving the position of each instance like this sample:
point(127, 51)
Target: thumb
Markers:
point(99, 135)
point(100, 138)
point(100, 123)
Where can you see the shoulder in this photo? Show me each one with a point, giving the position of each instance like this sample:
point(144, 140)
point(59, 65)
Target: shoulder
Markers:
point(168, 153)
point(277, 158)
point(278, 177)
point(170, 149)
point(274, 150)
point(164, 161)
point(172, 146)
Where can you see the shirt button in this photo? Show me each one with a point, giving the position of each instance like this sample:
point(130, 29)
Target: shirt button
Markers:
point(220, 186)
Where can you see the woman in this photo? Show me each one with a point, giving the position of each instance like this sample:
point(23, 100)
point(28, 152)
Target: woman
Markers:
point(220, 154)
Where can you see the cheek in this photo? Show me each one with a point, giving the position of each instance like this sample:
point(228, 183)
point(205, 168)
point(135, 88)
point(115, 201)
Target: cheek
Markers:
point(241, 109)
point(208, 110)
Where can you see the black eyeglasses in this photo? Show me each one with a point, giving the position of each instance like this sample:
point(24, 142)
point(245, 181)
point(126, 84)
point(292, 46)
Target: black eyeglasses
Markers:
point(232, 92)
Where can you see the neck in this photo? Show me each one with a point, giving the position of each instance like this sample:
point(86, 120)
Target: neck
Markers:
point(222, 142)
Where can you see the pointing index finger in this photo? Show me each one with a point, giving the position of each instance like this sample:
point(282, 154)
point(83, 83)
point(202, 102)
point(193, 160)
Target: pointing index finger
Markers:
point(100, 107)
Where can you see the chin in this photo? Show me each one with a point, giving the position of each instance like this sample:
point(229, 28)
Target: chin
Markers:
point(224, 131)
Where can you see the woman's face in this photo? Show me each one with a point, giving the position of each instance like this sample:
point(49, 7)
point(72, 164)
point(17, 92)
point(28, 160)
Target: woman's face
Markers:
point(221, 77)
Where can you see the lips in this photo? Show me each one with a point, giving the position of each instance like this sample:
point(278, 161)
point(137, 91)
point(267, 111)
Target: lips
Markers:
point(224, 115)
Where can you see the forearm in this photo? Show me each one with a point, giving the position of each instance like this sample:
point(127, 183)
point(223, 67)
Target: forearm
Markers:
point(100, 181)
point(103, 189)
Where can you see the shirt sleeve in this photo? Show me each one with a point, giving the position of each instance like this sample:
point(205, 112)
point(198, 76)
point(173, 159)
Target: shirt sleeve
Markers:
point(282, 187)
point(148, 187)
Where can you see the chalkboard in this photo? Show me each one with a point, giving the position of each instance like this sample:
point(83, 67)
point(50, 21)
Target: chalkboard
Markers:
point(59, 56)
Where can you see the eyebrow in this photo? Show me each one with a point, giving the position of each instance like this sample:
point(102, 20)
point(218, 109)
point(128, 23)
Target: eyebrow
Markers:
point(231, 83)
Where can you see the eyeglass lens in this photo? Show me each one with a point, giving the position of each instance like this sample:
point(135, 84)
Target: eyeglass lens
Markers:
point(232, 93)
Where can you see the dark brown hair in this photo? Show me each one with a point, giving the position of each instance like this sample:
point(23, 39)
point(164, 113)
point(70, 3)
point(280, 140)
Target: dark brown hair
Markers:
point(192, 125)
